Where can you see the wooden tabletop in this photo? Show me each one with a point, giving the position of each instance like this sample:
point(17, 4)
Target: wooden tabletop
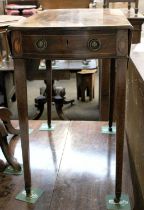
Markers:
point(75, 18)
point(6, 20)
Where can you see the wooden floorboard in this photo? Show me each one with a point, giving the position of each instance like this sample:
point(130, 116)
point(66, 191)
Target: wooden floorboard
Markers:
point(46, 151)
point(74, 165)
point(87, 170)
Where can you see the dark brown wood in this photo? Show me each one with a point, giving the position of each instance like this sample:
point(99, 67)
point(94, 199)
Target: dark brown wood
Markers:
point(104, 68)
point(21, 94)
point(134, 124)
point(46, 154)
point(85, 80)
point(5, 20)
point(75, 167)
point(2, 165)
point(5, 116)
point(85, 169)
point(6, 128)
point(120, 122)
point(58, 97)
point(6, 46)
point(112, 93)
point(77, 45)
point(56, 34)
point(136, 22)
point(49, 90)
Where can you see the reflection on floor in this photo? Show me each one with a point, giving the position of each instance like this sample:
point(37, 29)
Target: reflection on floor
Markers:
point(74, 165)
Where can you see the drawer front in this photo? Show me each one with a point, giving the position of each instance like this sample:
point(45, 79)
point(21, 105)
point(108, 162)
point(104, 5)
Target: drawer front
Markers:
point(69, 46)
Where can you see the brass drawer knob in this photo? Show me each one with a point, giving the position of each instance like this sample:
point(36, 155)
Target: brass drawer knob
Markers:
point(41, 44)
point(94, 44)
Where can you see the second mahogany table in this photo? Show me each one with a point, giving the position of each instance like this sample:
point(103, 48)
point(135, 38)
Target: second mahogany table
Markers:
point(70, 34)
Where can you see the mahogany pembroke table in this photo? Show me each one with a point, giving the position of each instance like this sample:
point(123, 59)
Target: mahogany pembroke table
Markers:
point(71, 34)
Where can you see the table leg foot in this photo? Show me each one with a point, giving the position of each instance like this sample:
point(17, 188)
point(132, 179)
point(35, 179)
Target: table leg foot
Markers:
point(45, 127)
point(117, 197)
point(29, 195)
point(108, 130)
point(28, 192)
point(121, 203)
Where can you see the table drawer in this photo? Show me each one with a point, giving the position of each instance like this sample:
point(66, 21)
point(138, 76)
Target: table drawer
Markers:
point(73, 46)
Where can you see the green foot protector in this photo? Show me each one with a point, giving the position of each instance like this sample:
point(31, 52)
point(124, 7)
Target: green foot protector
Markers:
point(44, 127)
point(11, 171)
point(105, 129)
point(124, 203)
point(35, 194)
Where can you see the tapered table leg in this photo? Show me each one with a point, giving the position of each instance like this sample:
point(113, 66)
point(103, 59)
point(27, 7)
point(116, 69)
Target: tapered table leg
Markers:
point(121, 66)
point(49, 90)
point(104, 68)
point(21, 93)
point(112, 93)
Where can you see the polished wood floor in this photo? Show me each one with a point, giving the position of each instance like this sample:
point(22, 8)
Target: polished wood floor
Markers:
point(74, 165)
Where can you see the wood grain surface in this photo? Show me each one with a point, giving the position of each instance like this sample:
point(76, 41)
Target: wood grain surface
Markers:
point(74, 165)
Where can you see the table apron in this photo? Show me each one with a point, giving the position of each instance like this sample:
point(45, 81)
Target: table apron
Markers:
point(91, 44)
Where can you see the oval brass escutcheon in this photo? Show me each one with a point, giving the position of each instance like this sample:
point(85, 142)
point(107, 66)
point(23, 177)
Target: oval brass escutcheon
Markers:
point(94, 44)
point(41, 44)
